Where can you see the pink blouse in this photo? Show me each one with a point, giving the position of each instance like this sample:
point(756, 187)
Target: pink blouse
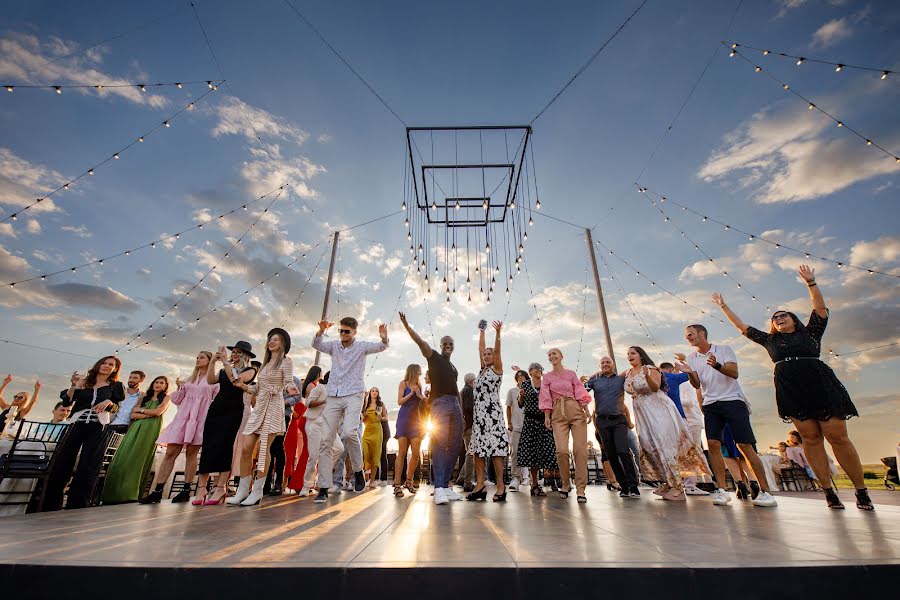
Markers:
point(561, 385)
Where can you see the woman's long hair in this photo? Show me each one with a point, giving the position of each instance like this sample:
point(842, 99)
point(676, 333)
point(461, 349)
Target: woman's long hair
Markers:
point(196, 372)
point(267, 356)
point(646, 360)
point(312, 375)
point(90, 380)
point(413, 372)
point(149, 396)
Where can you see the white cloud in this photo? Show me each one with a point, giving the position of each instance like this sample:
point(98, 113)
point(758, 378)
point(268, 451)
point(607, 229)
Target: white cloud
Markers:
point(33, 226)
point(787, 155)
point(27, 59)
point(266, 174)
point(832, 32)
point(81, 231)
point(7, 230)
point(324, 138)
point(236, 117)
point(22, 181)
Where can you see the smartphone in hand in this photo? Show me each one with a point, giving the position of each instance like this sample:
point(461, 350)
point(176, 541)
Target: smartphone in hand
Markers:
point(482, 324)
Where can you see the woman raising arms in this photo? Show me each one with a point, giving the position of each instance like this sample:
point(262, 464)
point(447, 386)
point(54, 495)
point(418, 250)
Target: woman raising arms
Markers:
point(490, 438)
point(409, 428)
point(807, 392)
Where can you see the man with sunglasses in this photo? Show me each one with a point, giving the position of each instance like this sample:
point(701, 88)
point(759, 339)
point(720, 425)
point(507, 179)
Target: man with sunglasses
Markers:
point(713, 369)
point(346, 389)
point(446, 413)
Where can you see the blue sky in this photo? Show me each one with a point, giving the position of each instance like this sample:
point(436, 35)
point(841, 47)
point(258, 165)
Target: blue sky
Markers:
point(743, 151)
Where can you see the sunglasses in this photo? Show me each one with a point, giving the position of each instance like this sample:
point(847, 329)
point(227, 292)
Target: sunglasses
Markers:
point(19, 397)
point(780, 317)
point(344, 331)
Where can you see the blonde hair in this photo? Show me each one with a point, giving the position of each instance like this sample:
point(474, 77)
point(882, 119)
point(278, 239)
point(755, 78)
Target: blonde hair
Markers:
point(413, 372)
point(196, 372)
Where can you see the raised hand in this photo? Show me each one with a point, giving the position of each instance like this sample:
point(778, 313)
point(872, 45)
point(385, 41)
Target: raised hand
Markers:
point(37, 385)
point(403, 318)
point(323, 325)
point(807, 273)
point(382, 331)
point(718, 299)
point(498, 325)
point(75, 378)
point(7, 379)
point(516, 368)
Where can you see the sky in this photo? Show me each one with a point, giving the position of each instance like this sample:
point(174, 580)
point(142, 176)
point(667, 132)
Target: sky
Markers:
point(743, 151)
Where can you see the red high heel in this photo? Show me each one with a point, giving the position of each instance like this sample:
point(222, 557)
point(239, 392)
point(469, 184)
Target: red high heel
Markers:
point(215, 502)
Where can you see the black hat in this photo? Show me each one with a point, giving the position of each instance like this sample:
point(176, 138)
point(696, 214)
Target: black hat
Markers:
point(244, 347)
point(285, 338)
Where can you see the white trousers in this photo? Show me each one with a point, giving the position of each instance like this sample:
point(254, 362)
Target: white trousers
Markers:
point(340, 413)
point(515, 470)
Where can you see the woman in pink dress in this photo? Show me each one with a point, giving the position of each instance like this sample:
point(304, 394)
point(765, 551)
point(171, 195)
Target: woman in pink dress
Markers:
point(185, 431)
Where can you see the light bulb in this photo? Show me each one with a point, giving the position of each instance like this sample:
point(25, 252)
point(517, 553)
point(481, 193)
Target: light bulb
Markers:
point(537, 205)
point(512, 204)
point(868, 142)
point(840, 123)
point(731, 54)
point(884, 74)
point(525, 237)
point(521, 248)
point(530, 221)
point(837, 68)
point(59, 89)
point(487, 248)
point(457, 205)
point(210, 84)
point(433, 205)
point(757, 69)
point(786, 86)
point(116, 156)
point(166, 123)
point(406, 222)
point(143, 88)
point(485, 205)
point(811, 106)
point(799, 61)
point(9, 88)
point(403, 206)
point(765, 52)
point(141, 139)
point(178, 85)
point(90, 171)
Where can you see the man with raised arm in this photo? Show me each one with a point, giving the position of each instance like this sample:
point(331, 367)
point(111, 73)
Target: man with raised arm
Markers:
point(446, 414)
point(346, 389)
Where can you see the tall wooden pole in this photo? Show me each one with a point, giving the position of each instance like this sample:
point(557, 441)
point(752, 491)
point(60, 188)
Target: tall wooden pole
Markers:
point(334, 245)
point(609, 347)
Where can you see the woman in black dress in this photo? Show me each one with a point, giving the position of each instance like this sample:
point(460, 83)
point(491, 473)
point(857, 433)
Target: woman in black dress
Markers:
point(223, 419)
point(807, 392)
point(90, 397)
point(537, 450)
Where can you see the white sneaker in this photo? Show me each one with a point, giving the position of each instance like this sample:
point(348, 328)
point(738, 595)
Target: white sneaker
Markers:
point(304, 491)
point(440, 497)
point(335, 489)
point(348, 485)
point(765, 499)
point(514, 484)
point(382, 483)
point(695, 491)
point(721, 497)
point(451, 494)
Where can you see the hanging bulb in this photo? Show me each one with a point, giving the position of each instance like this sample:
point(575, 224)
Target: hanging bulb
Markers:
point(167, 124)
point(837, 68)
point(487, 249)
point(786, 86)
point(453, 247)
point(521, 248)
point(403, 206)
point(458, 205)
point(765, 52)
point(485, 205)
point(512, 204)
point(409, 237)
point(90, 171)
point(433, 205)
point(811, 106)
point(757, 69)
point(537, 205)
point(423, 265)
point(59, 89)
point(840, 123)
point(530, 221)
point(525, 236)
point(868, 142)
point(9, 88)
point(178, 85)
point(799, 61)
point(420, 248)
point(406, 222)
point(143, 88)
point(210, 84)
point(141, 139)
point(731, 54)
point(884, 74)
point(116, 156)
point(66, 186)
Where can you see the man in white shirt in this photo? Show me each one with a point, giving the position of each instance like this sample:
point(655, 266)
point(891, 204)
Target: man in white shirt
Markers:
point(515, 417)
point(122, 419)
point(346, 389)
point(713, 369)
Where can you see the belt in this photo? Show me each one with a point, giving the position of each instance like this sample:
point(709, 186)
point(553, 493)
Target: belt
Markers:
point(608, 417)
point(789, 358)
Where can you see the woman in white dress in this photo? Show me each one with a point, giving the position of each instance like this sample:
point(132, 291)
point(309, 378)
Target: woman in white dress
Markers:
point(668, 452)
point(267, 419)
point(490, 438)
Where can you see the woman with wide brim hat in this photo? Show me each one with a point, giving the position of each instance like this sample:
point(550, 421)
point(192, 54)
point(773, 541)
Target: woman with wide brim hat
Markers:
point(267, 419)
point(223, 419)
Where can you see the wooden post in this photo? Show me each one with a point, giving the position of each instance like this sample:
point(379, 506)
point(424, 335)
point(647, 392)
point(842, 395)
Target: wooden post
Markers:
point(609, 346)
point(334, 245)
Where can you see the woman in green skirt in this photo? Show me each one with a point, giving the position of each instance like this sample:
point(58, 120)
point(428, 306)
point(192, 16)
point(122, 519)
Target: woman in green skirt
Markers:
point(135, 455)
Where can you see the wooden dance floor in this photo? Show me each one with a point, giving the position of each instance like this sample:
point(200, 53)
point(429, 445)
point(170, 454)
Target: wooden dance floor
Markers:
point(360, 544)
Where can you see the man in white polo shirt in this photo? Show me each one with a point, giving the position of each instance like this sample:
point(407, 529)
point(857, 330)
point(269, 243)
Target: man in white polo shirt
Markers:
point(713, 369)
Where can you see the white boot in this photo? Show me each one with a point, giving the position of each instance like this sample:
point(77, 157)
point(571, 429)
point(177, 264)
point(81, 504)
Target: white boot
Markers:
point(256, 493)
point(242, 492)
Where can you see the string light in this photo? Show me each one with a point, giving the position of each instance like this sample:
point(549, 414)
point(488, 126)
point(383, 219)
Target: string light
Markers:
point(838, 66)
point(59, 87)
point(211, 269)
point(812, 106)
point(696, 246)
point(109, 158)
point(779, 245)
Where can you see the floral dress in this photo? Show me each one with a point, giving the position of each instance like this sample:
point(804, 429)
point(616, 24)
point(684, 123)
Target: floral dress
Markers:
point(268, 416)
point(489, 434)
point(668, 452)
point(537, 449)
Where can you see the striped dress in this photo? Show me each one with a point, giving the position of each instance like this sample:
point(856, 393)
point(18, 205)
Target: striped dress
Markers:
point(267, 417)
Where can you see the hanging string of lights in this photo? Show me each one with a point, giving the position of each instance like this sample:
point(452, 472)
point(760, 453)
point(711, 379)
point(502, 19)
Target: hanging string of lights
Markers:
point(393, 313)
point(296, 303)
point(209, 272)
point(151, 244)
point(653, 283)
point(212, 84)
point(114, 157)
point(754, 236)
point(534, 304)
point(812, 105)
point(24, 345)
point(229, 302)
point(697, 247)
point(838, 66)
point(634, 311)
point(583, 315)
point(852, 352)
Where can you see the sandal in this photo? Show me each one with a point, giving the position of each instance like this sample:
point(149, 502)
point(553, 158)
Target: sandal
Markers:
point(832, 499)
point(537, 490)
point(398, 490)
point(410, 487)
point(582, 499)
point(564, 494)
point(863, 502)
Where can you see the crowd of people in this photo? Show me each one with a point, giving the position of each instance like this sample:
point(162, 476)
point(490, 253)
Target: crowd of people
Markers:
point(279, 434)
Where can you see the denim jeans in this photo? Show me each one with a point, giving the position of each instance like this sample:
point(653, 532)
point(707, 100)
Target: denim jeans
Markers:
point(446, 438)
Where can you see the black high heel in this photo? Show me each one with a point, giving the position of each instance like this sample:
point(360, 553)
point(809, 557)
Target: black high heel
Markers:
point(863, 502)
point(742, 492)
point(500, 497)
point(480, 495)
point(832, 499)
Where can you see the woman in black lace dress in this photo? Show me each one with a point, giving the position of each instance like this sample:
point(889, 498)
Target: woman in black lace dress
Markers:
point(537, 450)
point(807, 392)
